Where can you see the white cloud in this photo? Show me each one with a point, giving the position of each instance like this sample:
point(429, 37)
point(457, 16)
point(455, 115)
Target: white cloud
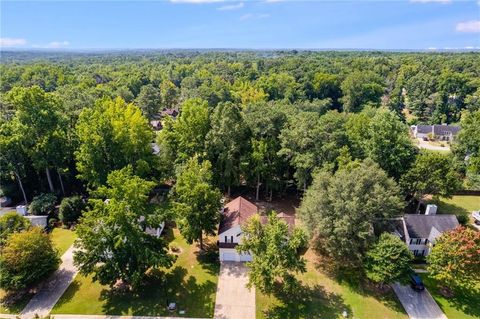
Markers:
point(432, 48)
point(472, 26)
point(231, 7)
point(52, 45)
point(254, 16)
point(196, 1)
point(12, 42)
point(427, 1)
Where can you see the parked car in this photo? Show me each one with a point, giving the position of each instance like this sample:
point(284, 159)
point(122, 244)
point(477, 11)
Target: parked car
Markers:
point(476, 216)
point(416, 282)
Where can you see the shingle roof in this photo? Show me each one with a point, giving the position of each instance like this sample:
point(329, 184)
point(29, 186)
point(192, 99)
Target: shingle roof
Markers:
point(438, 129)
point(236, 212)
point(420, 226)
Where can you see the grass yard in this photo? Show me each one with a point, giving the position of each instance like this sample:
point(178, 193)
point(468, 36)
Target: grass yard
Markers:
point(191, 283)
point(463, 305)
point(458, 204)
point(62, 239)
point(322, 297)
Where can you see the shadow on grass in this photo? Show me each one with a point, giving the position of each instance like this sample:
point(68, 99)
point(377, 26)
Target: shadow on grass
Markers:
point(449, 208)
point(151, 300)
point(69, 294)
point(208, 258)
point(307, 302)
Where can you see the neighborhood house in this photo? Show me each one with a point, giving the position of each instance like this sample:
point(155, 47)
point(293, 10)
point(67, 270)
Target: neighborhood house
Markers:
point(420, 231)
point(234, 215)
point(437, 132)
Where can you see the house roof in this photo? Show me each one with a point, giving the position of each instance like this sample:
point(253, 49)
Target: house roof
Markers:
point(239, 210)
point(420, 226)
point(438, 129)
point(236, 212)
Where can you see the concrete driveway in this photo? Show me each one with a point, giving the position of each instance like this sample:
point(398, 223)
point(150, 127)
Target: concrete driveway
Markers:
point(234, 300)
point(418, 305)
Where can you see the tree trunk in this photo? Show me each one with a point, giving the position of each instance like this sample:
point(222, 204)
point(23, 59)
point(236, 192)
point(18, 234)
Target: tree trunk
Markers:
point(201, 241)
point(49, 178)
point(19, 180)
point(61, 182)
point(228, 190)
point(258, 187)
point(417, 211)
point(304, 186)
point(271, 194)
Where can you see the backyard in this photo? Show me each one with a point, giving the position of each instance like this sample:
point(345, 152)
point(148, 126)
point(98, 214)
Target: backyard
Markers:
point(191, 283)
point(463, 305)
point(323, 297)
point(458, 204)
point(62, 239)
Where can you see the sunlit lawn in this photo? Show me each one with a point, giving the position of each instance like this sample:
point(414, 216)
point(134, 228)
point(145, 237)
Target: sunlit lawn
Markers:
point(463, 305)
point(191, 283)
point(62, 239)
point(323, 297)
point(458, 204)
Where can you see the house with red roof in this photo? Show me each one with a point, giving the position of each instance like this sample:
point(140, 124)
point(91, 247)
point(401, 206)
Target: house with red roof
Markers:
point(235, 214)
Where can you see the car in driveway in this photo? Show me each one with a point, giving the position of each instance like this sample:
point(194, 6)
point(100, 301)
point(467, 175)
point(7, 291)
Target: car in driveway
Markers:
point(416, 282)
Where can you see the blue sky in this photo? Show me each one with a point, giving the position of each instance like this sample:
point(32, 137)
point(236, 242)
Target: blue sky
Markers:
point(402, 24)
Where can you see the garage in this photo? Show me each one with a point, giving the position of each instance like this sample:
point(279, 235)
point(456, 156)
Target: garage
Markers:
point(228, 256)
point(245, 257)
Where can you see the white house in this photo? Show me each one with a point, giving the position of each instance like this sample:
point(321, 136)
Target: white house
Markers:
point(438, 132)
point(421, 231)
point(230, 234)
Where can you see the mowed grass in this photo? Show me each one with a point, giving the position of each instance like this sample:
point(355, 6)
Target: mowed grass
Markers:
point(191, 283)
point(323, 297)
point(464, 304)
point(458, 204)
point(62, 239)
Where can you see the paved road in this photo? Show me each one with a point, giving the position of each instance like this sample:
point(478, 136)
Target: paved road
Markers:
point(48, 295)
point(234, 300)
point(419, 305)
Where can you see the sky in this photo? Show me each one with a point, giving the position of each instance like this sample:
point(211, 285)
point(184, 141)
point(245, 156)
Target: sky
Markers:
point(259, 24)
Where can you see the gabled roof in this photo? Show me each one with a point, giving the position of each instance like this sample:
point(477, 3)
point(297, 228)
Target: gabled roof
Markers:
point(236, 212)
point(420, 226)
point(438, 129)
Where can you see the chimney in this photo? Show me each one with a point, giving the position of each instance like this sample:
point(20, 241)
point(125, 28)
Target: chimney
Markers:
point(431, 210)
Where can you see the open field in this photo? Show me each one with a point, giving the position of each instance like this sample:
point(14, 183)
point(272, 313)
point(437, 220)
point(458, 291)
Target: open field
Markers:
point(191, 283)
point(463, 305)
point(62, 239)
point(458, 204)
point(323, 297)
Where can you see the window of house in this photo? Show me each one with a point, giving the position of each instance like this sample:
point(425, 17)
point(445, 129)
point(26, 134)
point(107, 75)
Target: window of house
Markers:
point(231, 238)
point(226, 239)
point(419, 241)
point(411, 241)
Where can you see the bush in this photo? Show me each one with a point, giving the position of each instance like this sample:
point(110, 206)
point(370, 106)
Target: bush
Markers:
point(71, 209)
point(42, 204)
point(462, 219)
point(26, 258)
point(12, 223)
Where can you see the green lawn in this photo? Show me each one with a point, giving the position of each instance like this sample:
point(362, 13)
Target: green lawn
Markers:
point(458, 205)
point(62, 239)
point(323, 297)
point(463, 305)
point(191, 283)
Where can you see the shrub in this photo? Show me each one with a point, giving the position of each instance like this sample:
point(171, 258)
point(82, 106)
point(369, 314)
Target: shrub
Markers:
point(26, 258)
point(12, 223)
point(71, 209)
point(42, 204)
point(462, 219)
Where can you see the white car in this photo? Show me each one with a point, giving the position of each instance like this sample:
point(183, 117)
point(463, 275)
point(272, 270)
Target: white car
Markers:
point(476, 216)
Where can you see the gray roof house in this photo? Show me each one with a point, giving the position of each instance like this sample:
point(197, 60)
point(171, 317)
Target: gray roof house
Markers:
point(421, 231)
point(442, 132)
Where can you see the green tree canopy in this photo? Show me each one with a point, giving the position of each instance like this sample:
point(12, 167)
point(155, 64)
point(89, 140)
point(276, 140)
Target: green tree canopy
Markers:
point(112, 240)
point(275, 250)
point(388, 260)
point(359, 88)
point(340, 210)
point(196, 202)
point(112, 135)
point(10, 223)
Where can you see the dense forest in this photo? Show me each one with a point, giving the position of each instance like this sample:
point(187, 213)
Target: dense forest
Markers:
point(265, 120)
